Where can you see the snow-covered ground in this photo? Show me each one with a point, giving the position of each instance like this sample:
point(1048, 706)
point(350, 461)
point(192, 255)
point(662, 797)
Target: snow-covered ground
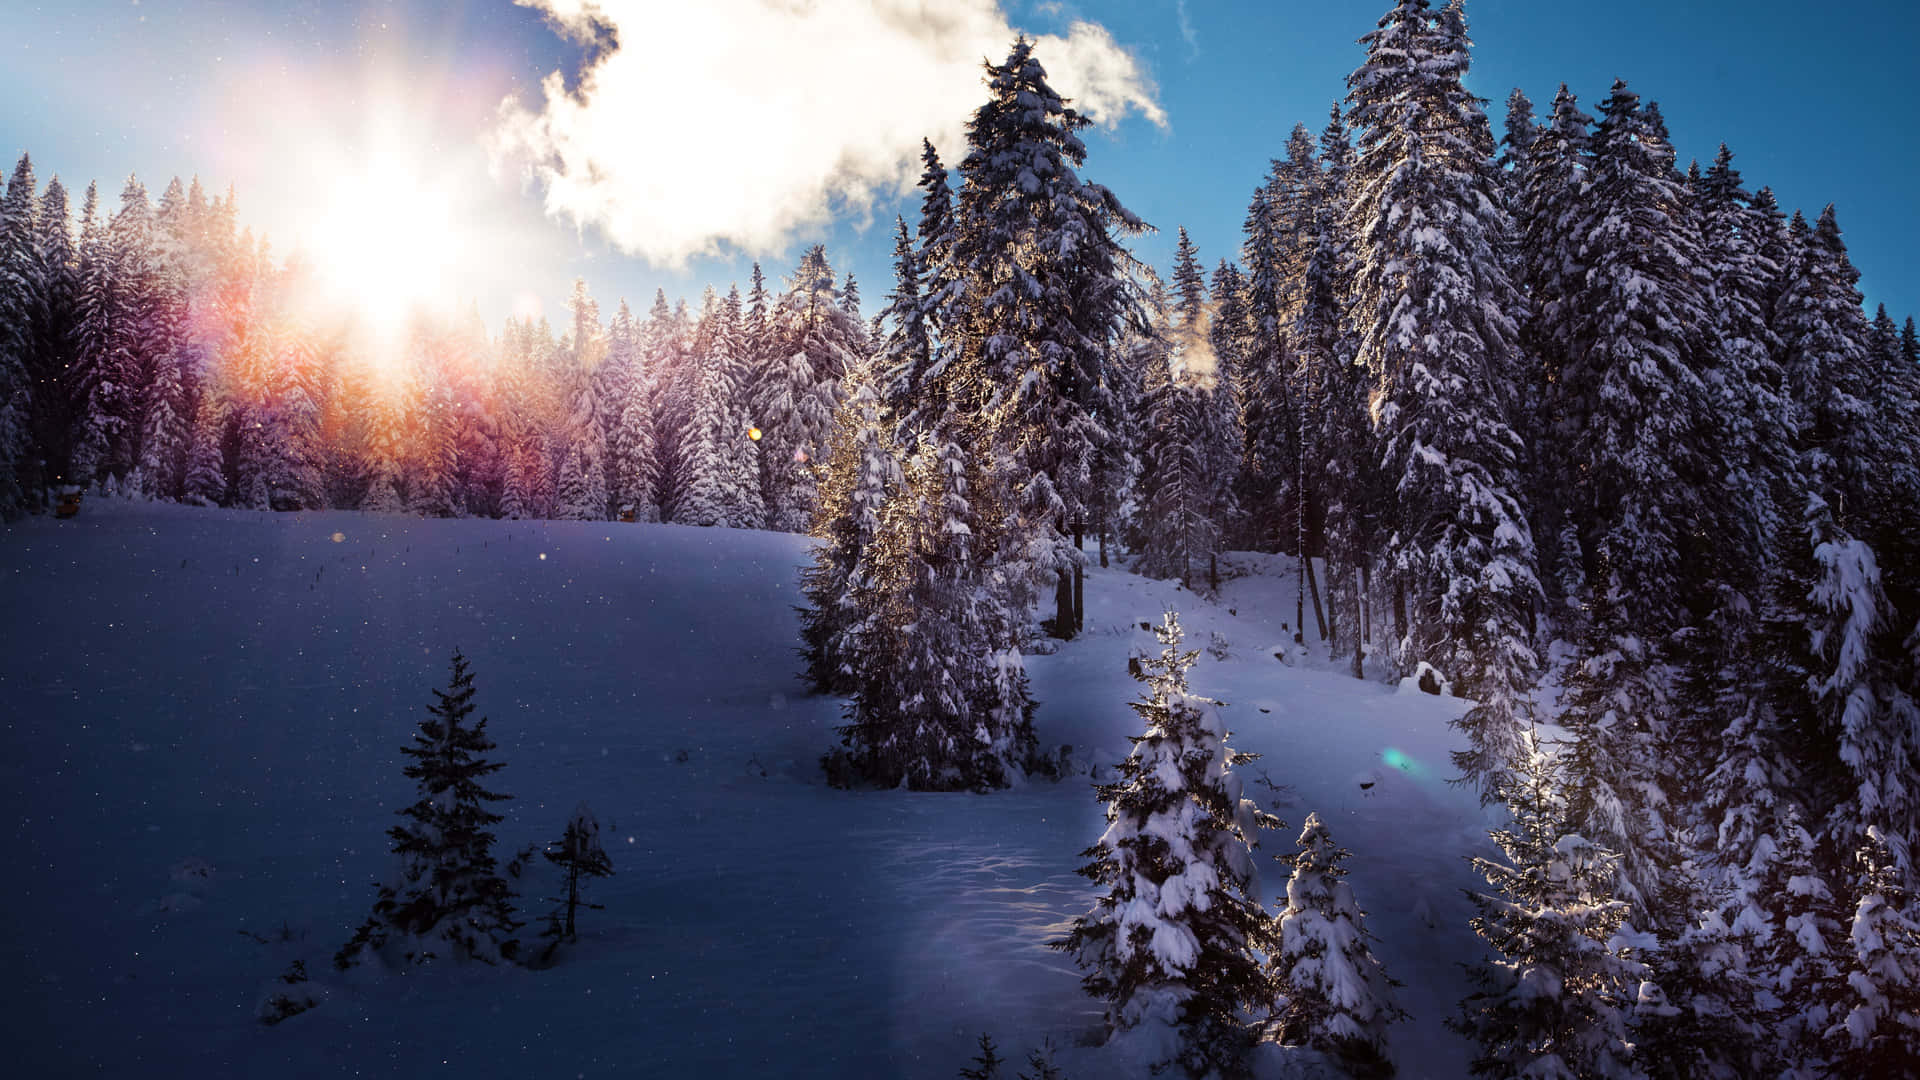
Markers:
point(202, 716)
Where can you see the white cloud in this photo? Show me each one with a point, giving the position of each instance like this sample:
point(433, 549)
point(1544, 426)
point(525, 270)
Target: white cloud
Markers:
point(721, 125)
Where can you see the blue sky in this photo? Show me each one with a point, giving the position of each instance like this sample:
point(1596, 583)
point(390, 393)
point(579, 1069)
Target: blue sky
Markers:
point(275, 98)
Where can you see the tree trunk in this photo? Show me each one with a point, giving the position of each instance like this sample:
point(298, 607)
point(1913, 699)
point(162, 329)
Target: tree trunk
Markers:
point(1300, 599)
point(573, 895)
point(1366, 603)
point(1360, 616)
point(1313, 586)
point(1063, 606)
point(1079, 581)
point(1400, 612)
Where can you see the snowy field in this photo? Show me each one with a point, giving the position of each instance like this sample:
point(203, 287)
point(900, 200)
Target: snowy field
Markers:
point(203, 711)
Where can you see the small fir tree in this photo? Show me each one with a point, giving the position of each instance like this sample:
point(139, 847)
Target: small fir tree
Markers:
point(1336, 992)
point(449, 901)
point(1173, 942)
point(579, 855)
point(1553, 1004)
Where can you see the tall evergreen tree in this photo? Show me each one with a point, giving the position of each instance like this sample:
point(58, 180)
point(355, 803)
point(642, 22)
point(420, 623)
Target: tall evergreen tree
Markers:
point(1046, 298)
point(1435, 310)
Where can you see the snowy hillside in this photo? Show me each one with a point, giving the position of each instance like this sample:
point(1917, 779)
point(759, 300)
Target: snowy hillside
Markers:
point(200, 750)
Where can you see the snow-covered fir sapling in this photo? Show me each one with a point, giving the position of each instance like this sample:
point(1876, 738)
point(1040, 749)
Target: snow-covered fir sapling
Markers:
point(1553, 1003)
point(1876, 1017)
point(449, 900)
point(578, 854)
point(1172, 946)
point(1336, 994)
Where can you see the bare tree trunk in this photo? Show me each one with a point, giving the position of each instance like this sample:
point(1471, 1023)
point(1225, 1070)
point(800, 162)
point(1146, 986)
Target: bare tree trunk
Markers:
point(1063, 606)
point(1400, 614)
point(1079, 582)
point(1313, 585)
point(1360, 616)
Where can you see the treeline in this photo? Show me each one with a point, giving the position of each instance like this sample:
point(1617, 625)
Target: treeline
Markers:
point(163, 351)
point(1546, 389)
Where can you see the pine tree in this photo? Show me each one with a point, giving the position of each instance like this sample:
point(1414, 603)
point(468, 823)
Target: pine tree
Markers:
point(1631, 400)
point(814, 343)
point(206, 478)
point(1045, 298)
point(579, 855)
point(1546, 191)
point(1876, 1023)
point(447, 902)
point(937, 702)
point(53, 290)
point(1336, 992)
point(1172, 943)
point(724, 484)
point(19, 277)
point(1617, 706)
point(986, 1064)
point(1182, 451)
point(1436, 311)
point(863, 472)
point(1801, 961)
point(1553, 1002)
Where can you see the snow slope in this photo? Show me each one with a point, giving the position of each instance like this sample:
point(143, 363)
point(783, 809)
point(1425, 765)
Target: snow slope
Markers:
point(199, 760)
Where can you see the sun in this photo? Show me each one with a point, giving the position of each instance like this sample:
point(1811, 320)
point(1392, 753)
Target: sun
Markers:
point(383, 242)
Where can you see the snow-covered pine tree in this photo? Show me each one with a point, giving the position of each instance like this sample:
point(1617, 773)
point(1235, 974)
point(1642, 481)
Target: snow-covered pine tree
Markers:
point(1875, 1028)
point(1337, 995)
point(863, 471)
point(19, 276)
point(1631, 402)
point(937, 703)
point(1185, 451)
point(671, 382)
point(448, 901)
point(1617, 705)
point(576, 495)
point(1436, 315)
point(579, 854)
point(53, 295)
point(206, 477)
point(1546, 191)
point(1800, 963)
point(814, 343)
point(1172, 946)
point(915, 388)
point(635, 467)
point(1277, 236)
point(1864, 710)
point(113, 299)
point(1046, 296)
point(724, 473)
point(1211, 374)
point(1553, 1003)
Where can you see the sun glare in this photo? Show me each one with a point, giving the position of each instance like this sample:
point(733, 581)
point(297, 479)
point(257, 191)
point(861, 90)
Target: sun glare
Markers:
point(384, 243)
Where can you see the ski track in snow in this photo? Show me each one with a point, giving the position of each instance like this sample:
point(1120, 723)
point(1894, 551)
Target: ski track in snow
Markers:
point(207, 707)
